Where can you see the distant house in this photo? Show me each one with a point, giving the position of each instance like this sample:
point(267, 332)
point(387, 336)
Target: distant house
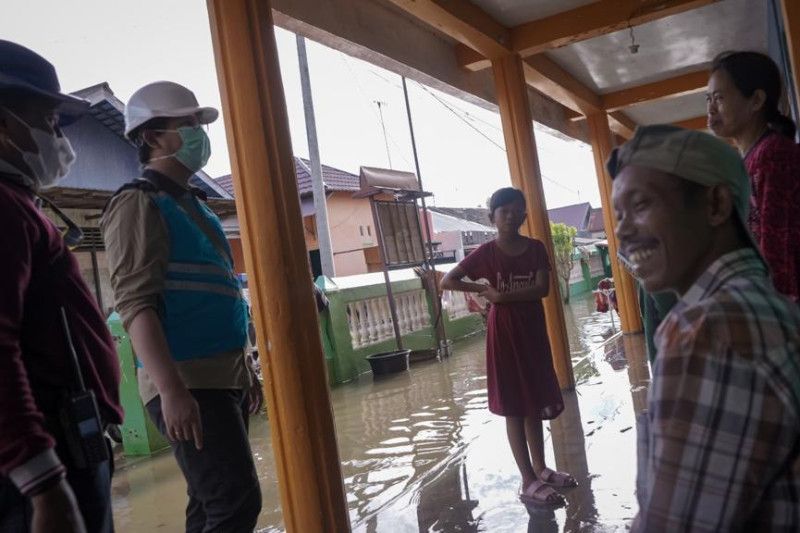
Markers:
point(105, 161)
point(576, 215)
point(596, 228)
point(355, 246)
point(479, 215)
point(457, 235)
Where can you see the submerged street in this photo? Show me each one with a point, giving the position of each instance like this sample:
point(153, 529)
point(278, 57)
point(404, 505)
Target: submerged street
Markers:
point(421, 452)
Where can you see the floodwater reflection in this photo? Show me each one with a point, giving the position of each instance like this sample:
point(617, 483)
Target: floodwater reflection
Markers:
point(421, 452)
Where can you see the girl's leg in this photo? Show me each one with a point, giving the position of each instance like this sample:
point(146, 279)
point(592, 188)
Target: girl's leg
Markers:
point(515, 428)
point(535, 439)
point(529, 455)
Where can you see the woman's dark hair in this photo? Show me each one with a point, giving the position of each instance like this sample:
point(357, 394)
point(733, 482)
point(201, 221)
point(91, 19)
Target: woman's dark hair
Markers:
point(138, 140)
point(504, 196)
point(751, 71)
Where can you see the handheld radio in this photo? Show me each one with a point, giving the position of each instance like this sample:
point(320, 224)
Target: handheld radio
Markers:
point(80, 417)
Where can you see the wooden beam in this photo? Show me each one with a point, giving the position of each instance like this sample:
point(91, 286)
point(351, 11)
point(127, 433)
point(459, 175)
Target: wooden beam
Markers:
point(468, 24)
point(586, 22)
point(292, 361)
point(470, 59)
point(523, 161)
point(622, 124)
point(463, 21)
point(690, 83)
point(696, 123)
point(627, 296)
point(790, 10)
point(550, 79)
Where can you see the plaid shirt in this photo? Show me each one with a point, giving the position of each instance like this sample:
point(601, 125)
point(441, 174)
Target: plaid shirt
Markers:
point(720, 443)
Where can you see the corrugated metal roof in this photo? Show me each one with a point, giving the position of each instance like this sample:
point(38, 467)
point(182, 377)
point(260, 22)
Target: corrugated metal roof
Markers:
point(443, 223)
point(479, 215)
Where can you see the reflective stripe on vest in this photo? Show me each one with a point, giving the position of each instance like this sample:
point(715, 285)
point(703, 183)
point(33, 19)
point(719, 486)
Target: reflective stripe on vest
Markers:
point(179, 285)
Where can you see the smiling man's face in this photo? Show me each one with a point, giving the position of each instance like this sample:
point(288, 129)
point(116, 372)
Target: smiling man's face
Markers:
point(662, 229)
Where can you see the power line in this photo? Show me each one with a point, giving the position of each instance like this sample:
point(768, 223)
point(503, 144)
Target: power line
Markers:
point(344, 59)
point(501, 147)
point(465, 116)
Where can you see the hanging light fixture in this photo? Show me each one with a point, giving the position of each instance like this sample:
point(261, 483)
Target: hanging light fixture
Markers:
point(634, 47)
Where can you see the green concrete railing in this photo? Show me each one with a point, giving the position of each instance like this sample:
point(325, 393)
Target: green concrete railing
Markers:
point(346, 356)
point(139, 435)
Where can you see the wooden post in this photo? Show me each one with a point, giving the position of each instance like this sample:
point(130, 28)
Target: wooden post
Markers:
point(300, 415)
point(627, 297)
point(515, 114)
point(790, 11)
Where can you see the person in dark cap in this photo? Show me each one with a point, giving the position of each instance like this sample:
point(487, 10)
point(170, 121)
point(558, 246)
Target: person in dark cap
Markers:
point(54, 403)
point(719, 446)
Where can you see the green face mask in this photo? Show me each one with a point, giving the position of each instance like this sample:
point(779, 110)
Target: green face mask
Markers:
point(196, 147)
point(195, 150)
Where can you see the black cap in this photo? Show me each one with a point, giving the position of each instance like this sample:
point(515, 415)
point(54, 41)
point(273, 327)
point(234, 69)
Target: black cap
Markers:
point(24, 70)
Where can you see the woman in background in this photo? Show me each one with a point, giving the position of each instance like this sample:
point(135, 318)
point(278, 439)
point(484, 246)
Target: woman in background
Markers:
point(744, 93)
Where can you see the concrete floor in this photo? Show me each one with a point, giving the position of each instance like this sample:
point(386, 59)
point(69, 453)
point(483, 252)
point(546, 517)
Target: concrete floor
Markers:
point(420, 451)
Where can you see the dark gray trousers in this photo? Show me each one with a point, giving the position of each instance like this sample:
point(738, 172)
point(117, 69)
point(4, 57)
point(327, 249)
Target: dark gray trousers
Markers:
point(223, 489)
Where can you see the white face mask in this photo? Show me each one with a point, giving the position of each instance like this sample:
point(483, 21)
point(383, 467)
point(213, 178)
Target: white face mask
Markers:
point(51, 163)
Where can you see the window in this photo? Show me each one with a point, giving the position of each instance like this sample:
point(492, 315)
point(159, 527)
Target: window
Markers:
point(361, 230)
point(369, 231)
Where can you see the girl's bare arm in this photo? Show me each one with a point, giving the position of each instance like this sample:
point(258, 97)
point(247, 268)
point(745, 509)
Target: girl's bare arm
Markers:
point(452, 281)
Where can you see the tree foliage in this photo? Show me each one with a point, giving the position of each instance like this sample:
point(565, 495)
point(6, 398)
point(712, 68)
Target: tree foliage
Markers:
point(563, 248)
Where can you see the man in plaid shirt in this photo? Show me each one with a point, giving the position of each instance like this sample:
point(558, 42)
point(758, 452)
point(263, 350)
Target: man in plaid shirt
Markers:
point(720, 444)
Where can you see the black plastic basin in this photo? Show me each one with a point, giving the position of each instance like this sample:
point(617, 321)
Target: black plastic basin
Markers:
point(389, 362)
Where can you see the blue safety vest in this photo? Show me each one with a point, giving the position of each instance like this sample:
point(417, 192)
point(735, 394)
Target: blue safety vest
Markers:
point(204, 312)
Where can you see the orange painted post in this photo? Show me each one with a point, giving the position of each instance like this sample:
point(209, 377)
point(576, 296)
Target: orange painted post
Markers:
point(627, 297)
point(295, 382)
point(790, 9)
point(515, 114)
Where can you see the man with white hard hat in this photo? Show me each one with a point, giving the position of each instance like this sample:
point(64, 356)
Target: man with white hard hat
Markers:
point(55, 470)
point(181, 302)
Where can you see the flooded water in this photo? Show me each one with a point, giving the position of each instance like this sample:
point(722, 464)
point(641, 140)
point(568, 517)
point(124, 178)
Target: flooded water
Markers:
point(421, 452)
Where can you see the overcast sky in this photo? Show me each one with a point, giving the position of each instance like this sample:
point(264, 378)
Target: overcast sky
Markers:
point(460, 145)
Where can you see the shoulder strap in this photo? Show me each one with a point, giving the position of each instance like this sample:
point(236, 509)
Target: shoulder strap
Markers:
point(192, 210)
point(137, 184)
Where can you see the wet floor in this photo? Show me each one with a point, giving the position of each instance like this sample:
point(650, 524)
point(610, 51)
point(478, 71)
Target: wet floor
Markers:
point(421, 452)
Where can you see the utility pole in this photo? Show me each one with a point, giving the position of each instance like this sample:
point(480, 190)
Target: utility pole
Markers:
point(318, 187)
point(383, 125)
point(438, 326)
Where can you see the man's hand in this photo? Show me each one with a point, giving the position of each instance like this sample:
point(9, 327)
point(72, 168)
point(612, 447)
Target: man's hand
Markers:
point(182, 416)
point(491, 294)
point(56, 511)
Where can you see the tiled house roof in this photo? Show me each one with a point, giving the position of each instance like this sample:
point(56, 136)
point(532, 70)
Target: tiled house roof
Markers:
point(334, 179)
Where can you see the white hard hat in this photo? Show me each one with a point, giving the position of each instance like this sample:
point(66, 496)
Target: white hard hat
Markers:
point(164, 99)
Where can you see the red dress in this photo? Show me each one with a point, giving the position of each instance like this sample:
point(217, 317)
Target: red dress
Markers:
point(519, 368)
point(774, 168)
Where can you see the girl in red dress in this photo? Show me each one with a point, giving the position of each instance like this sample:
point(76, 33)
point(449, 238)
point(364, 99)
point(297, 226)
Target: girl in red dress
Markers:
point(521, 380)
point(744, 94)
